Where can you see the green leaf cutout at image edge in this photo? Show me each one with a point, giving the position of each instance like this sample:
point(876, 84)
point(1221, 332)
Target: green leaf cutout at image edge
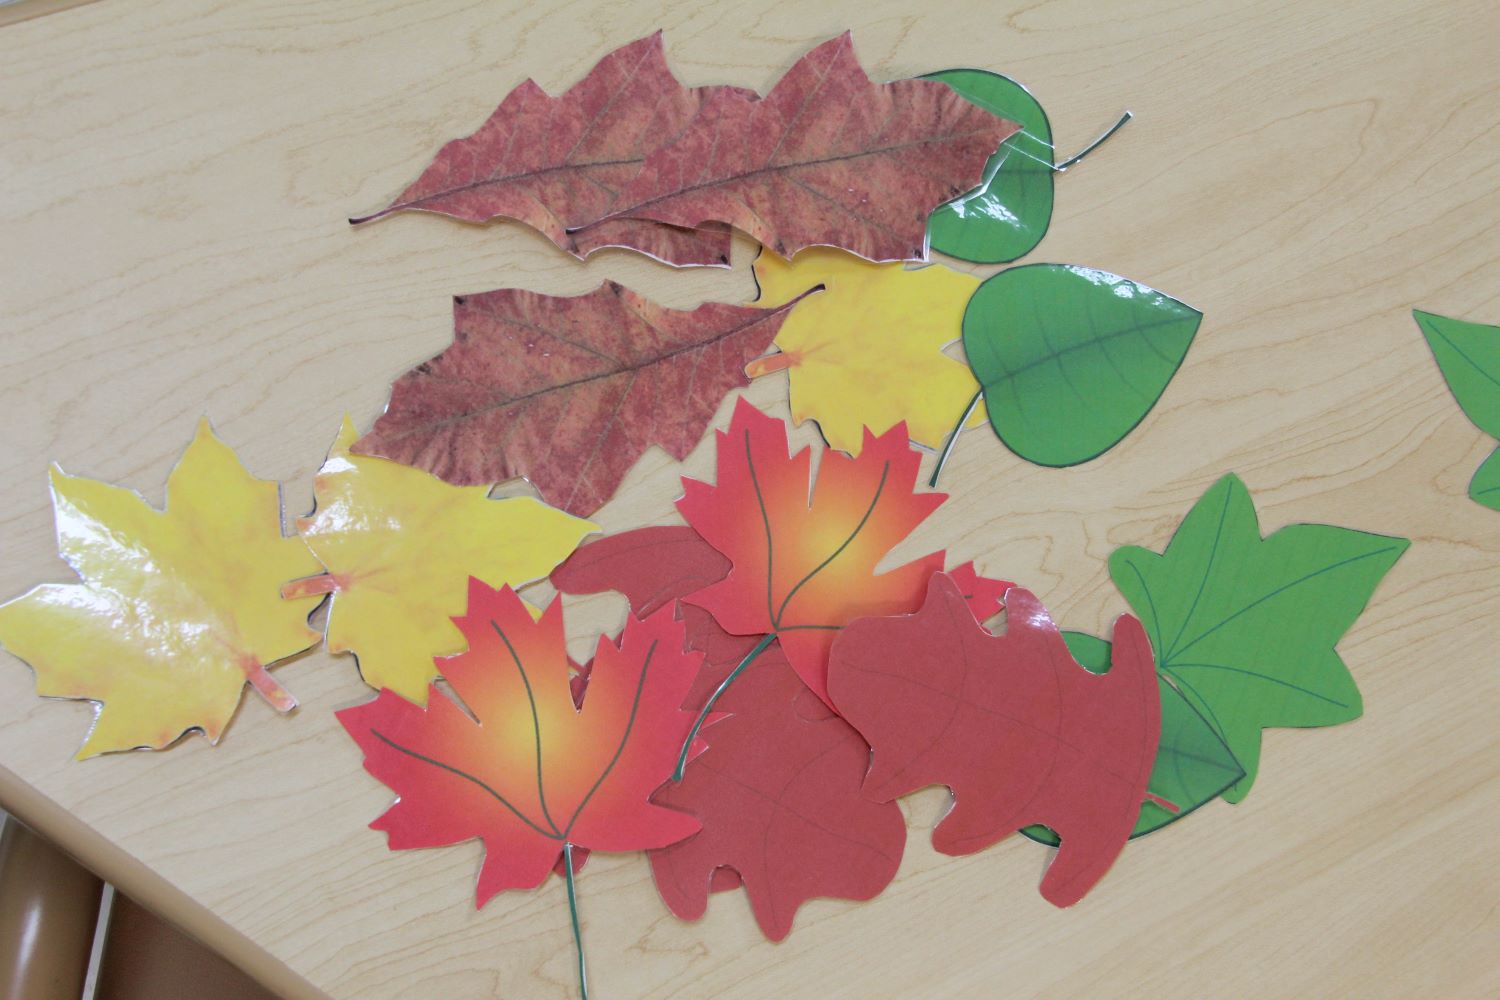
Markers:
point(1193, 766)
point(1245, 627)
point(1008, 214)
point(1484, 488)
point(1469, 356)
point(1070, 358)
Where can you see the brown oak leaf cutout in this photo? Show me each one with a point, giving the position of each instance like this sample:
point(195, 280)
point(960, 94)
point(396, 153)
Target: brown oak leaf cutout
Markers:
point(558, 162)
point(827, 157)
point(567, 391)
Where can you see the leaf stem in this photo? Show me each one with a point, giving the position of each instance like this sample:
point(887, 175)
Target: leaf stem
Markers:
point(1086, 150)
point(953, 439)
point(687, 744)
point(583, 976)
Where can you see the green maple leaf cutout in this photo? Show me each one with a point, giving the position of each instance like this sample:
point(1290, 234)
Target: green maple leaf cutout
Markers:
point(1244, 627)
point(1193, 765)
point(1469, 356)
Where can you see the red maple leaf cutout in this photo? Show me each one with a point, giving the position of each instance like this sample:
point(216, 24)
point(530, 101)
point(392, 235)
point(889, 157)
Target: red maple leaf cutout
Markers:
point(1017, 730)
point(654, 567)
point(530, 772)
point(827, 157)
point(778, 791)
point(803, 568)
point(567, 391)
point(559, 162)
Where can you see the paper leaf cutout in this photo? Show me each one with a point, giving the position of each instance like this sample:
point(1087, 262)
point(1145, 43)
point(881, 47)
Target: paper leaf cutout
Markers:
point(654, 567)
point(1245, 627)
point(868, 350)
point(1007, 215)
point(399, 547)
point(1011, 724)
point(778, 791)
point(1484, 488)
point(827, 157)
point(1469, 356)
point(176, 610)
point(1193, 765)
point(558, 162)
point(802, 569)
point(1071, 358)
point(567, 392)
point(528, 772)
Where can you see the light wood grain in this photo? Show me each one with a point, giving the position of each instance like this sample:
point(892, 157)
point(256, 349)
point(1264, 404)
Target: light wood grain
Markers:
point(175, 177)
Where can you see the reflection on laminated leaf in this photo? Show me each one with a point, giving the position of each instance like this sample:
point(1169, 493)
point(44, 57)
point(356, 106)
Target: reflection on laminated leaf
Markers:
point(399, 546)
point(1007, 215)
point(867, 351)
point(176, 609)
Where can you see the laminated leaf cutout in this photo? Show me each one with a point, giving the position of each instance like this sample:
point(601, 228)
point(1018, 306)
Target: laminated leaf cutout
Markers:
point(1245, 627)
point(1193, 765)
point(868, 350)
point(525, 770)
point(1007, 215)
point(567, 391)
point(176, 610)
point(655, 567)
point(1071, 358)
point(1017, 730)
point(558, 162)
point(778, 791)
point(399, 547)
point(804, 567)
point(828, 157)
point(1469, 356)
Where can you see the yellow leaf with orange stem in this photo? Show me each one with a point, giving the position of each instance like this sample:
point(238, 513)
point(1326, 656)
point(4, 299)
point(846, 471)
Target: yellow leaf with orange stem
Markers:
point(868, 350)
point(177, 609)
point(399, 546)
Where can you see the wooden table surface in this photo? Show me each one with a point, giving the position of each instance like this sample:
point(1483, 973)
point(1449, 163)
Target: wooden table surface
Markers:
point(174, 179)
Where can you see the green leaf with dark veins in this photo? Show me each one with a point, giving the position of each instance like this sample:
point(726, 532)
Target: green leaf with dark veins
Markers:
point(1245, 627)
point(1008, 214)
point(1193, 766)
point(1071, 358)
point(1469, 355)
point(1484, 488)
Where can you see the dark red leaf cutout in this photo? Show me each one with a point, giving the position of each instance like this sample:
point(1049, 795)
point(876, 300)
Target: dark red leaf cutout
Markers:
point(778, 792)
point(1011, 723)
point(559, 162)
point(827, 157)
point(567, 391)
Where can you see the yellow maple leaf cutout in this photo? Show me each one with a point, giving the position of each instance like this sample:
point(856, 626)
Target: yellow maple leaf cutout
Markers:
point(177, 609)
point(868, 350)
point(399, 545)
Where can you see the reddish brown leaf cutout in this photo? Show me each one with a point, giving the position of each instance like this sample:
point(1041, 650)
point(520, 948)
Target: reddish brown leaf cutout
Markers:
point(827, 157)
point(1011, 723)
point(778, 792)
point(558, 162)
point(567, 392)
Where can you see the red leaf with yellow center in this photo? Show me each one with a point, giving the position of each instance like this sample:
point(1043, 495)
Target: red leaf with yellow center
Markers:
point(1012, 724)
point(528, 771)
point(803, 568)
